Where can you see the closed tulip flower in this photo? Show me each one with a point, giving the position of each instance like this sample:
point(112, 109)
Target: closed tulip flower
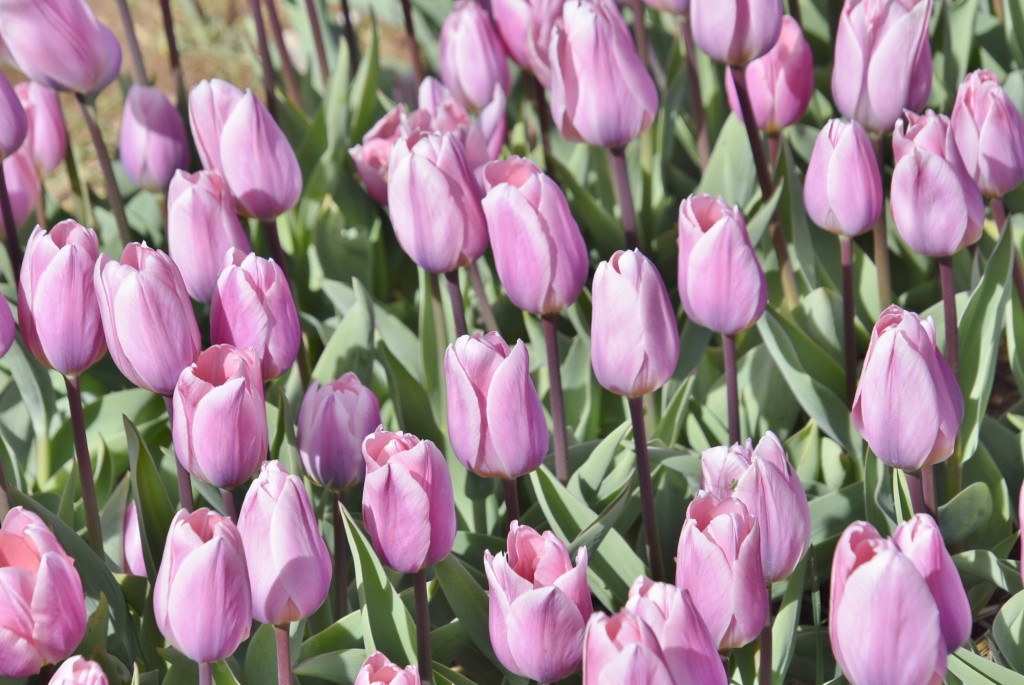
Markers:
point(593, 56)
point(989, 133)
point(721, 283)
point(371, 156)
point(735, 31)
point(512, 21)
point(936, 205)
point(220, 418)
point(843, 187)
point(84, 55)
point(525, 28)
point(883, 61)
point(134, 562)
point(42, 605)
point(623, 649)
point(148, 321)
point(471, 55)
point(780, 82)
point(333, 421)
point(22, 186)
point(13, 122)
point(253, 307)
point(634, 339)
point(408, 502)
point(79, 671)
point(539, 605)
point(201, 227)
point(289, 565)
point(908, 404)
point(58, 312)
point(538, 248)
point(439, 112)
point(379, 670)
point(435, 202)
point(719, 564)
point(201, 598)
point(47, 137)
point(153, 142)
point(210, 103)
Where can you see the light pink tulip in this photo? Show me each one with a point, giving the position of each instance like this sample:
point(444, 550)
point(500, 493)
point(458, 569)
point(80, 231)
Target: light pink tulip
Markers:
point(42, 604)
point(735, 31)
point(79, 671)
point(148, 321)
point(134, 562)
point(439, 112)
point(47, 137)
point(989, 133)
point(623, 649)
point(209, 105)
point(22, 186)
point(379, 670)
point(843, 187)
point(372, 155)
point(525, 28)
point(201, 599)
point(721, 283)
point(471, 55)
point(512, 21)
point(13, 121)
point(153, 142)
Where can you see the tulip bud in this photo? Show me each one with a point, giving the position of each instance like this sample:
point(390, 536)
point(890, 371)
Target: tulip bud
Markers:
point(220, 418)
point(134, 562)
point(201, 227)
point(371, 156)
point(721, 284)
point(201, 598)
point(333, 421)
point(736, 31)
point(843, 187)
point(593, 56)
point(289, 565)
point(936, 205)
point(148, 321)
point(512, 20)
point(908, 404)
point(780, 82)
point(633, 335)
point(989, 133)
point(539, 605)
point(435, 202)
point(544, 15)
point(762, 478)
point(153, 141)
point(42, 604)
point(440, 112)
point(253, 307)
point(379, 670)
point(719, 564)
point(79, 671)
point(444, 114)
point(623, 649)
point(883, 61)
point(82, 55)
point(57, 308)
point(13, 122)
point(538, 249)
point(690, 653)
point(47, 138)
point(471, 55)
point(22, 187)
point(209, 105)
point(408, 503)
point(258, 161)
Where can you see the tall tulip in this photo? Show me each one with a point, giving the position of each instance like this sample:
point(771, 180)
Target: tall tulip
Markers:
point(471, 55)
point(13, 121)
point(47, 137)
point(22, 186)
point(153, 142)
point(736, 31)
point(843, 187)
point(372, 154)
point(210, 103)
point(989, 133)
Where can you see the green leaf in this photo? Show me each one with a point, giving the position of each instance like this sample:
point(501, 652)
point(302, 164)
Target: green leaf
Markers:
point(983, 565)
point(363, 96)
point(152, 503)
point(412, 403)
point(469, 602)
point(786, 623)
point(346, 633)
point(972, 669)
point(1008, 632)
point(730, 171)
point(966, 513)
point(341, 666)
point(351, 345)
point(261, 657)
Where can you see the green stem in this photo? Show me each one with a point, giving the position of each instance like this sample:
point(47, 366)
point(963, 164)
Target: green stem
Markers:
point(230, 507)
point(103, 157)
point(558, 428)
point(699, 115)
point(481, 298)
point(291, 81)
point(318, 38)
point(268, 66)
point(764, 672)
point(92, 512)
point(881, 238)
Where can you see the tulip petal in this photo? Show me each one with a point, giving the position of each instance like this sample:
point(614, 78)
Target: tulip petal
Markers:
point(70, 306)
point(516, 424)
point(545, 633)
point(394, 505)
point(928, 204)
point(634, 664)
point(423, 207)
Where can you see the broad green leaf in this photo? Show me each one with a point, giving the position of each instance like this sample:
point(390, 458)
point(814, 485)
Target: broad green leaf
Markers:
point(152, 503)
point(364, 87)
point(730, 171)
point(967, 512)
point(972, 669)
point(1008, 632)
point(469, 602)
point(786, 623)
point(346, 633)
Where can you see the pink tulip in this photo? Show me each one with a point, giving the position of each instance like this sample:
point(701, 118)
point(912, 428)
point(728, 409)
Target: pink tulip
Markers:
point(539, 605)
point(134, 562)
point(201, 227)
point(22, 186)
point(210, 103)
point(82, 55)
point(719, 564)
point(936, 205)
point(908, 404)
point(843, 187)
point(42, 604)
point(989, 133)
point(623, 649)
point(153, 142)
point(13, 122)
point(593, 57)
point(379, 670)
point(201, 598)
point(721, 284)
point(471, 55)
point(736, 31)
point(148, 321)
point(47, 137)
point(371, 156)
point(435, 202)
point(79, 671)
point(690, 653)
point(439, 112)
point(58, 312)
point(7, 330)
point(408, 502)
point(220, 419)
point(538, 248)
point(253, 307)
point(289, 565)
point(883, 61)
point(333, 421)
point(512, 20)
point(780, 82)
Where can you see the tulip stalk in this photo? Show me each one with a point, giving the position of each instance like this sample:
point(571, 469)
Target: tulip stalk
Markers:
point(699, 116)
point(455, 295)
point(41, 208)
point(764, 671)
point(138, 65)
point(881, 237)
point(89, 502)
point(557, 400)
point(617, 160)
point(639, 29)
point(268, 67)
point(103, 157)
point(849, 334)
point(414, 48)
point(543, 113)
point(172, 46)
point(230, 507)
point(481, 298)
point(11, 234)
point(510, 486)
point(284, 654)
point(184, 479)
point(423, 627)
point(949, 313)
point(205, 673)
point(1001, 219)
point(731, 388)
point(318, 38)
point(340, 556)
point(291, 81)
point(643, 471)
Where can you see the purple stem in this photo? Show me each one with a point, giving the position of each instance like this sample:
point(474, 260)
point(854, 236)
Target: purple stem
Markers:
point(643, 472)
point(284, 654)
point(455, 295)
point(184, 479)
point(849, 335)
point(340, 556)
point(557, 400)
point(423, 627)
point(92, 512)
point(731, 389)
point(617, 158)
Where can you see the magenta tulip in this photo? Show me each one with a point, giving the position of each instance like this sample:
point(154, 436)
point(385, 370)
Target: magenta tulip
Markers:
point(736, 31)
point(989, 133)
point(134, 562)
point(623, 649)
point(908, 404)
point(42, 604)
point(843, 187)
point(47, 137)
point(201, 599)
point(22, 186)
point(379, 670)
point(153, 142)
point(79, 671)
point(471, 55)
point(13, 121)
point(210, 103)
point(148, 321)
point(371, 156)
point(539, 605)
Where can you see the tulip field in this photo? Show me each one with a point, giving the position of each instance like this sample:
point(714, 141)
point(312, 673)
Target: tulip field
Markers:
point(487, 342)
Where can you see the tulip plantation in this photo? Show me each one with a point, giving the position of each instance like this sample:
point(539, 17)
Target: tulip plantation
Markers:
point(513, 341)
